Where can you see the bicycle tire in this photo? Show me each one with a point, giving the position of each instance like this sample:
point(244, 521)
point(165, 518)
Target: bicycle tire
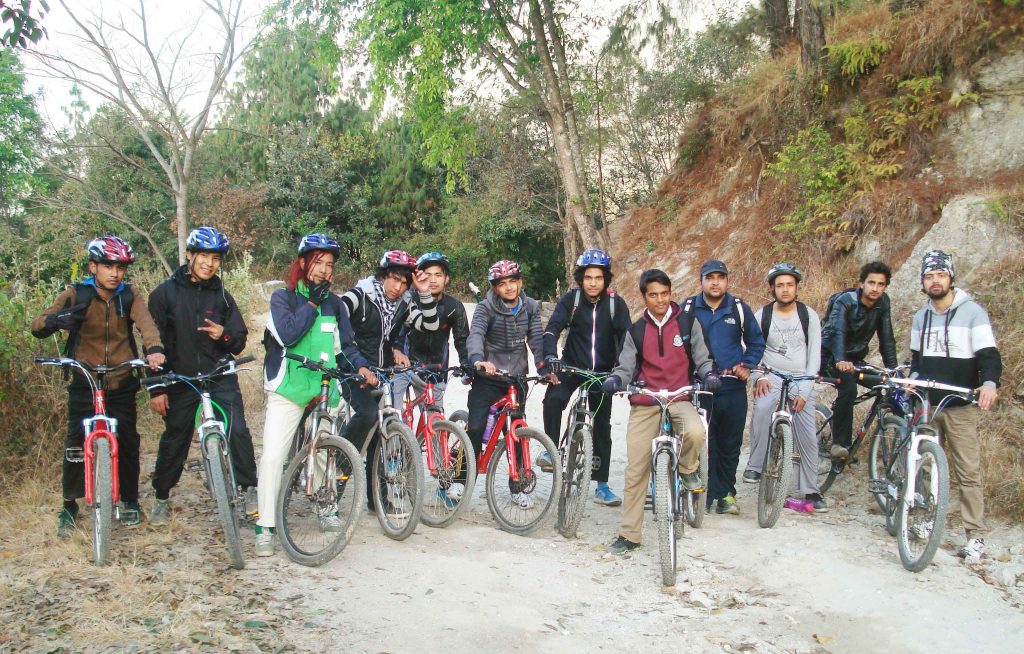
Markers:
point(436, 510)
point(400, 485)
point(696, 501)
point(575, 488)
point(664, 518)
point(883, 449)
point(460, 418)
point(511, 516)
point(220, 488)
point(102, 501)
point(777, 475)
point(936, 507)
point(342, 491)
point(827, 472)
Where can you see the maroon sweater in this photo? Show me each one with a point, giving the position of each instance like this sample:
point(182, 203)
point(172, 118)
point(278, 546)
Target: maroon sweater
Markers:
point(666, 365)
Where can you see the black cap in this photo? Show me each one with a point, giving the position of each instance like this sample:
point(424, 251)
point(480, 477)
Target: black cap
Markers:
point(712, 266)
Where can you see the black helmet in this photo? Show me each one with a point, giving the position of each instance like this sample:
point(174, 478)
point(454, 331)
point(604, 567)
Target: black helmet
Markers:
point(784, 269)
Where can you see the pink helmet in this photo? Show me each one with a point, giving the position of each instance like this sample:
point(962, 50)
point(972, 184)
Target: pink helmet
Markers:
point(397, 259)
point(503, 269)
point(110, 249)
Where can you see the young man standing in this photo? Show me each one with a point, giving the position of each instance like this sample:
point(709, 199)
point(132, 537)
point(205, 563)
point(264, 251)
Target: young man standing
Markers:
point(200, 325)
point(792, 335)
point(597, 321)
point(736, 345)
point(666, 349)
point(952, 342)
point(855, 317)
point(98, 313)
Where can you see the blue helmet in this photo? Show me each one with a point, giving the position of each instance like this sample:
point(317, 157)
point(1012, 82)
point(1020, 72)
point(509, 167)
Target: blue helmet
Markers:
point(591, 258)
point(319, 242)
point(206, 239)
point(432, 259)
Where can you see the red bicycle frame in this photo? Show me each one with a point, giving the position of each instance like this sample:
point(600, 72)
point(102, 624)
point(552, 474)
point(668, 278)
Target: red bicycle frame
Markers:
point(425, 425)
point(100, 426)
point(509, 420)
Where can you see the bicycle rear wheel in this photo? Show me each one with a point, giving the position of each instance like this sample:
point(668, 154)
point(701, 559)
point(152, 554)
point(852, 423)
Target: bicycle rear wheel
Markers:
point(440, 504)
point(696, 500)
point(520, 506)
point(223, 496)
point(773, 487)
point(102, 501)
point(827, 471)
point(921, 519)
point(575, 487)
point(664, 516)
point(315, 527)
point(883, 450)
point(397, 474)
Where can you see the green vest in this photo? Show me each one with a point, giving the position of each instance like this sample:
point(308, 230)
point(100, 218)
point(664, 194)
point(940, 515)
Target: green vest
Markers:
point(300, 385)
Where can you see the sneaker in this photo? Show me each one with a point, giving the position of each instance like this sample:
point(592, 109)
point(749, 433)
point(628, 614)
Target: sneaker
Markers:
point(622, 545)
point(543, 460)
point(66, 522)
point(728, 505)
point(522, 500)
point(160, 512)
point(604, 496)
point(456, 491)
point(751, 476)
point(330, 522)
point(816, 501)
point(264, 541)
point(839, 453)
point(973, 550)
point(691, 480)
point(251, 502)
point(131, 514)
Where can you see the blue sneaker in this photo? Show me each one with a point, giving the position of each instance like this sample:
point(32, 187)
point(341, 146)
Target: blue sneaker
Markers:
point(604, 495)
point(543, 461)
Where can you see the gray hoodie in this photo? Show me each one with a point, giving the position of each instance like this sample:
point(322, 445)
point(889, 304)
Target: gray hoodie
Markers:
point(500, 335)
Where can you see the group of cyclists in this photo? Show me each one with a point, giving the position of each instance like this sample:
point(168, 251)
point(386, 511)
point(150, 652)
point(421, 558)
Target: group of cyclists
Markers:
point(402, 315)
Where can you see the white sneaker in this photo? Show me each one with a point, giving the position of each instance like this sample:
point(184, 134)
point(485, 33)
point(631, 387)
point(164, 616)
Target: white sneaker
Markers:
point(265, 543)
point(330, 523)
point(455, 491)
point(522, 500)
point(973, 550)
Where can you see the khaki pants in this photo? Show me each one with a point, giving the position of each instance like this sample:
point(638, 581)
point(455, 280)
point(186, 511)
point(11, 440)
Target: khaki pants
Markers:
point(959, 427)
point(642, 429)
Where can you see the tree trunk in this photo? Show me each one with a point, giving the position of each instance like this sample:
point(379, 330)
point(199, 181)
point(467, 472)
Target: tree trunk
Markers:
point(777, 18)
point(181, 218)
point(810, 31)
point(575, 202)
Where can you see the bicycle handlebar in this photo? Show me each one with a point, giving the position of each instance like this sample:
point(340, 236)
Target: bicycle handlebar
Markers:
point(764, 367)
point(333, 373)
point(228, 367)
point(583, 372)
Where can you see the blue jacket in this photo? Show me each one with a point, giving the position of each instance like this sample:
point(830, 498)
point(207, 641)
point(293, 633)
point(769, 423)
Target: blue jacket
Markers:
point(724, 338)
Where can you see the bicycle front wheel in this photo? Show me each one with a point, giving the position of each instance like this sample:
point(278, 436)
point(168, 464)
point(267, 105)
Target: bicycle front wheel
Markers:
point(575, 488)
point(449, 487)
point(223, 495)
point(921, 519)
point(696, 500)
point(882, 453)
point(777, 475)
point(521, 504)
point(102, 501)
point(397, 474)
point(827, 471)
point(664, 516)
point(316, 521)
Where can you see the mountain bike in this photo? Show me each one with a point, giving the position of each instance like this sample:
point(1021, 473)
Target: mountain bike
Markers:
point(885, 400)
point(777, 471)
point(915, 481)
point(671, 500)
point(449, 464)
point(98, 452)
point(576, 451)
point(214, 444)
point(323, 490)
point(519, 493)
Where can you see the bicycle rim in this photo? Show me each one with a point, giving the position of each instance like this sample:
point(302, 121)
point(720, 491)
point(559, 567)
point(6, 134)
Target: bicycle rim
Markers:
point(921, 520)
point(521, 506)
point(575, 488)
point(103, 501)
point(223, 495)
point(664, 518)
point(696, 500)
point(397, 474)
point(440, 507)
point(314, 528)
point(777, 475)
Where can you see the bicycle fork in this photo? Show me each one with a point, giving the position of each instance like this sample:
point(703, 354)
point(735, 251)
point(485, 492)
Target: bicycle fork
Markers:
point(910, 497)
point(89, 455)
point(666, 441)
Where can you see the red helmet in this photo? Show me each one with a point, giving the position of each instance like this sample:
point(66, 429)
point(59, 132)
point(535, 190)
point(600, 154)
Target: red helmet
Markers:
point(397, 259)
point(503, 269)
point(110, 249)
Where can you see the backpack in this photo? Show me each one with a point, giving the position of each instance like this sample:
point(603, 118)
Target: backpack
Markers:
point(832, 303)
point(85, 294)
point(576, 304)
point(801, 311)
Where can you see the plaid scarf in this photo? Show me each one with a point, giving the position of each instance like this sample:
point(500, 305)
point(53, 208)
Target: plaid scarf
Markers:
point(388, 308)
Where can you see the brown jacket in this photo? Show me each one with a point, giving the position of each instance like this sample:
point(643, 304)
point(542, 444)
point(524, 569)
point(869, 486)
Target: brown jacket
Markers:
point(105, 337)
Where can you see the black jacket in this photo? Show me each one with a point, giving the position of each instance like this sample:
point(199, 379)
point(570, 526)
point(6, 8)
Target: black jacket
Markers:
point(432, 347)
point(848, 330)
point(180, 306)
point(594, 339)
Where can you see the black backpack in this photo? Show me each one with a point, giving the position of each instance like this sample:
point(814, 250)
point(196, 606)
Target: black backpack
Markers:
point(801, 311)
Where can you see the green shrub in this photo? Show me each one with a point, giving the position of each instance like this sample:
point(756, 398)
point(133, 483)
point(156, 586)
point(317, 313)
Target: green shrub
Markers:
point(854, 59)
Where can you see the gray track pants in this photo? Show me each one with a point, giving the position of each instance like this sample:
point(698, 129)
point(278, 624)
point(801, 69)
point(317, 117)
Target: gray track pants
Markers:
point(804, 436)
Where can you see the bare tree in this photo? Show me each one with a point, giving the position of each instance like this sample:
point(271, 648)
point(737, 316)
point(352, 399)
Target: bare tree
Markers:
point(156, 87)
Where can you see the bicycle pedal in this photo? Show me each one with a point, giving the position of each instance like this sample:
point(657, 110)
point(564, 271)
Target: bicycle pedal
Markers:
point(194, 465)
point(878, 486)
point(74, 455)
